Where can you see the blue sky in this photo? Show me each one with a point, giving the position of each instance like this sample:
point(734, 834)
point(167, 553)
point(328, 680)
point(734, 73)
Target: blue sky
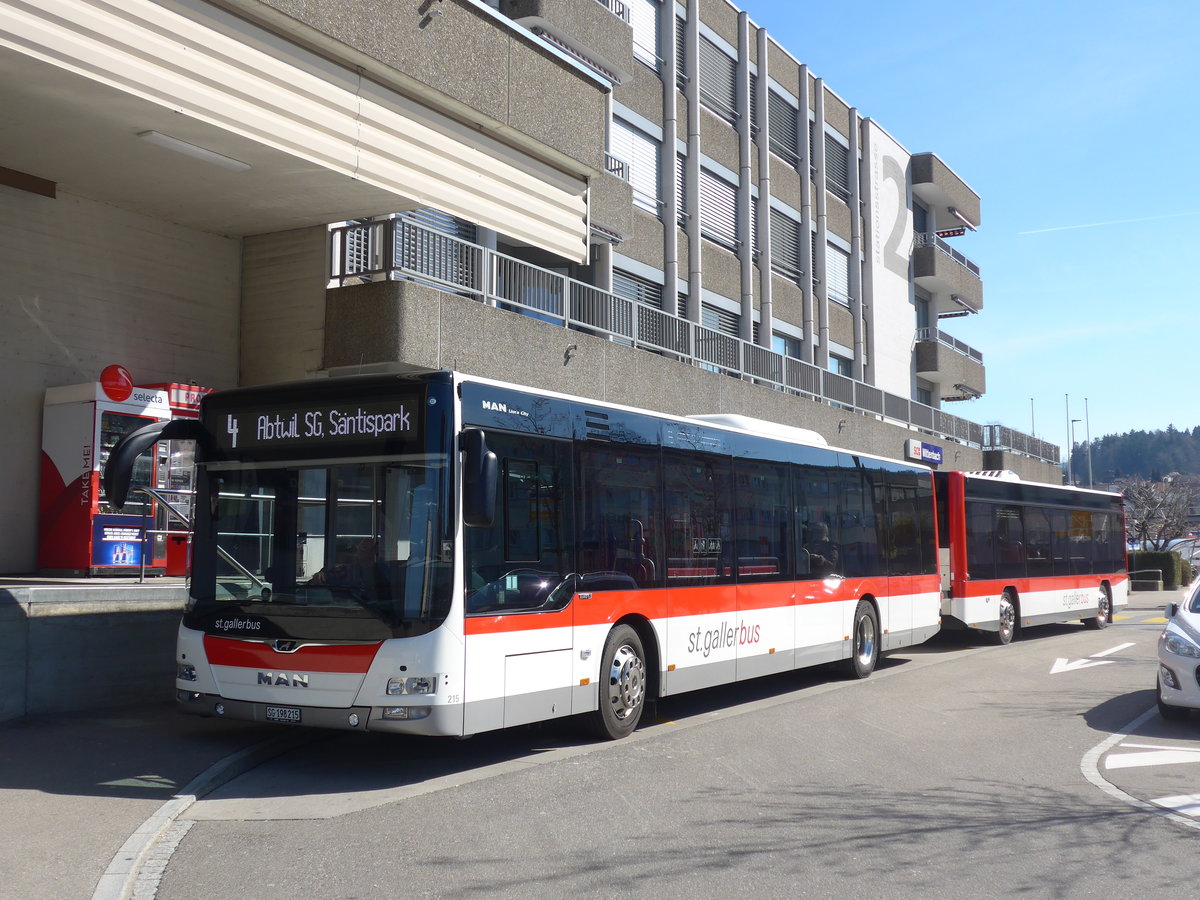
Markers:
point(1077, 124)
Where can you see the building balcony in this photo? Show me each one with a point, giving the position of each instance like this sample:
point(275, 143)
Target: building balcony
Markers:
point(377, 264)
point(951, 279)
point(597, 33)
point(949, 362)
point(953, 204)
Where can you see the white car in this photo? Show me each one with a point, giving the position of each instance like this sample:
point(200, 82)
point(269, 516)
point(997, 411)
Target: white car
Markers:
point(1179, 658)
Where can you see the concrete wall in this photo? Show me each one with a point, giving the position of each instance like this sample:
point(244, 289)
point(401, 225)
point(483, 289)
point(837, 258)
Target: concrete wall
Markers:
point(389, 322)
point(283, 305)
point(64, 649)
point(86, 284)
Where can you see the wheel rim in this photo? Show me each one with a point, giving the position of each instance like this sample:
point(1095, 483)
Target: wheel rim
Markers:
point(1105, 612)
point(626, 682)
point(1008, 616)
point(864, 640)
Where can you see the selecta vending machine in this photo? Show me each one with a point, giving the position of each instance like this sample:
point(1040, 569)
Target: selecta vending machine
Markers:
point(78, 532)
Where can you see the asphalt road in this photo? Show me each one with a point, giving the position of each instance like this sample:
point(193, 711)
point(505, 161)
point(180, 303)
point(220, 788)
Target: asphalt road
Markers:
point(957, 770)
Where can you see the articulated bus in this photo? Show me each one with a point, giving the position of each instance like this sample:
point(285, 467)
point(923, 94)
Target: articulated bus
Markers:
point(1016, 553)
point(442, 554)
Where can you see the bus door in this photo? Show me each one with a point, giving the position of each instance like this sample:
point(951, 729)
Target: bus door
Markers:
point(765, 545)
point(702, 595)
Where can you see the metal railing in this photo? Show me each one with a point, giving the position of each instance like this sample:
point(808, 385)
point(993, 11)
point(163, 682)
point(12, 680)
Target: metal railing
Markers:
point(614, 165)
point(617, 8)
point(934, 334)
point(398, 248)
point(932, 240)
point(997, 437)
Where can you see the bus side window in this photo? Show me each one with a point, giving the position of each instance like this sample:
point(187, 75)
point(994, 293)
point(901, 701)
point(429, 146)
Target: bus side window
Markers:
point(524, 560)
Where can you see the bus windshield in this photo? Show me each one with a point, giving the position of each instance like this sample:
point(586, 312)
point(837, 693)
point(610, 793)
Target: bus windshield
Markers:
point(364, 543)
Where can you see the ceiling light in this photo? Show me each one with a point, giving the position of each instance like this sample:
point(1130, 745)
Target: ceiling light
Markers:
point(208, 156)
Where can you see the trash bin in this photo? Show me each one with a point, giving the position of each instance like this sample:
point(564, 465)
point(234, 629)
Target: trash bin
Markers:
point(179, 553)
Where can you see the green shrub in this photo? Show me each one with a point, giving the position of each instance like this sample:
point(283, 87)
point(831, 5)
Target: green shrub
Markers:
point(1167, 562)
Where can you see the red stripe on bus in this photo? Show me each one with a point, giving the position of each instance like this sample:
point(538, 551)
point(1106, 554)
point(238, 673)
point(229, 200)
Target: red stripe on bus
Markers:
point(605, 607)
point(352, 659)
point(983, 587)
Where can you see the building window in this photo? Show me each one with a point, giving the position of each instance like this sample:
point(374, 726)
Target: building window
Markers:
point(920, 218)
point(786, 236)
point(718, 80)
point(923, 319)
point(837, 168)
point(839, 365)
point(783, 127)
point(641, 152)
point(924, 395)
point(785, 345)
point(718, 210)
point(837, 274)
point(643, 16)
point(636, 288)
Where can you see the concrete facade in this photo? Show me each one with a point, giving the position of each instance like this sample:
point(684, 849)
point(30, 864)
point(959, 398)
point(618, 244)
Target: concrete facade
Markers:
point(212, 264)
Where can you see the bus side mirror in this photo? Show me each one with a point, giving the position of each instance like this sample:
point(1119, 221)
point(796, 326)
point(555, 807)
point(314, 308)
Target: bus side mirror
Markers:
point(1171, 609)
point(481, 471)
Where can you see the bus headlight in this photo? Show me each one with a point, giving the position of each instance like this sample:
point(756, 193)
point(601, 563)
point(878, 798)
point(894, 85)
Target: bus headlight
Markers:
point(185, 671)
point(414, 684)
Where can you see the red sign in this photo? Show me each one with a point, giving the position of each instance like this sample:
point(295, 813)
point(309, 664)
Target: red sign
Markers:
point(117, 383)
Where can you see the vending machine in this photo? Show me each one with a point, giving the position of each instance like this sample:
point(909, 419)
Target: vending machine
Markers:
point(78, 532)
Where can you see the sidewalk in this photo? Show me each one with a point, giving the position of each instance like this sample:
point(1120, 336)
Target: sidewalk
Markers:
point(73, 788)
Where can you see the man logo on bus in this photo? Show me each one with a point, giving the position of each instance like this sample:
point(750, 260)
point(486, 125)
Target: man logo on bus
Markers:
point(283, 679)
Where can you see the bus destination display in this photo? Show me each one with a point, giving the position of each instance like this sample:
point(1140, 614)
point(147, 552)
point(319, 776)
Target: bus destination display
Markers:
point(290, 427)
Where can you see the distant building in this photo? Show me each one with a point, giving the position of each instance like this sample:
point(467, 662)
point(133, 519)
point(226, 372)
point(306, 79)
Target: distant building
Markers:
point(644, 202)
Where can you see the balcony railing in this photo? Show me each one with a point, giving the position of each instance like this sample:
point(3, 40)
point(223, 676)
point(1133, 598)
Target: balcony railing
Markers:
point(617, 8)
point(934, 334)
point(997, 437)
point(614, 165)
point(399, 248)
point(932, 240)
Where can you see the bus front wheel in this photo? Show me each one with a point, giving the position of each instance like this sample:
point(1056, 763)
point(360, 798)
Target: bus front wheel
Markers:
point(622, 685)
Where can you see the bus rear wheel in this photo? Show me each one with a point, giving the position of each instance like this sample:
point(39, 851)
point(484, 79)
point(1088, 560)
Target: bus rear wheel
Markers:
point(865, 634)
point(1007, 619)
point(1103, 613)
point(622, 685)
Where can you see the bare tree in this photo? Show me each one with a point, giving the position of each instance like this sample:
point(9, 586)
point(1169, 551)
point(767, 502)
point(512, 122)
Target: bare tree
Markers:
point(1156, 512)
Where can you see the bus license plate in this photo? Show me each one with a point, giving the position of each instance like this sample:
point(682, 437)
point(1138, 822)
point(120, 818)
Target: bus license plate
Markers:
point(287, 714)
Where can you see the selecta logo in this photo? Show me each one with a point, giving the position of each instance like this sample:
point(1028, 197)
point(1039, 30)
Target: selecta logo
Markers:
point(117, 383)
point(705, 640)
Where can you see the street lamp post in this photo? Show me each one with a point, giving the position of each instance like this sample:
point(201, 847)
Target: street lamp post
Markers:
point(1071, 453)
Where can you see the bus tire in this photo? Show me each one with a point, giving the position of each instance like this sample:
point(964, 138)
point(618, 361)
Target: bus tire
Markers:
point(622, 685)
point(1166, 710)
point(864, 651)
point(1007, 619)
point(1103, 614)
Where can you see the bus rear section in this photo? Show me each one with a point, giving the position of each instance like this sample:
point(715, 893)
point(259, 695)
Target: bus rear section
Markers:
point(1016, 553)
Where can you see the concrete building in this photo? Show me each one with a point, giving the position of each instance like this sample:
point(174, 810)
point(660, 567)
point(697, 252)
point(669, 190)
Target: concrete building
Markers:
point(648, 203)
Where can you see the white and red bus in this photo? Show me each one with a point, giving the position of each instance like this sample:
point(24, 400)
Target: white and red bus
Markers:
point(1017, 553)
point(443, 554)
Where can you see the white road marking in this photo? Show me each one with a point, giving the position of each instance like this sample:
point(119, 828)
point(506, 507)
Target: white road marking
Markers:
point(1151, 758)
point(1187, 804)
point(1061, 665)
point(1091, 771)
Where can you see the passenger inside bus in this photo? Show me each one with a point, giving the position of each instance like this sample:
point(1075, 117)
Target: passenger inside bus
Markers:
point(822, 552)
